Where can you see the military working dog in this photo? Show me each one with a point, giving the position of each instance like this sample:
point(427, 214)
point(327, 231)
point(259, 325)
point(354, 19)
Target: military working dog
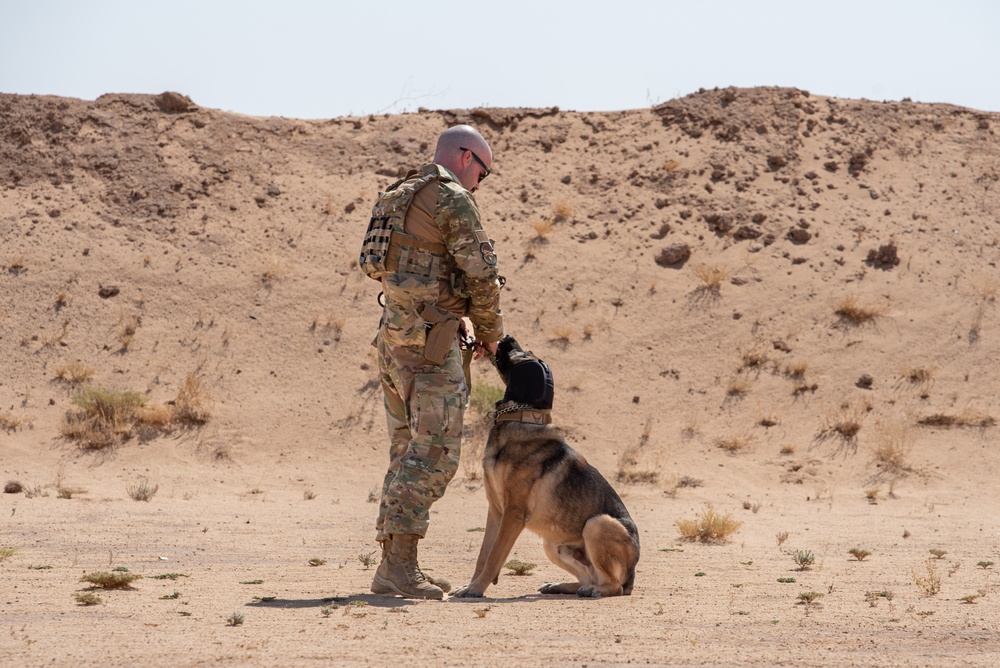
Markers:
point(535, 480)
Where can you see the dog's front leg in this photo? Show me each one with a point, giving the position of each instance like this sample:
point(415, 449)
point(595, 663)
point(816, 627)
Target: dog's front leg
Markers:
point(510, 526)
point(489, 539)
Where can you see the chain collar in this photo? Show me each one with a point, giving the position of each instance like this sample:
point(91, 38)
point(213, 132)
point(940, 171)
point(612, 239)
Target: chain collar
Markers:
point(521, 413)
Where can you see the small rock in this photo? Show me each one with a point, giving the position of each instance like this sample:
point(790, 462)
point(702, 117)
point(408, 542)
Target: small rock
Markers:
point(673, 254)
point(865, 382)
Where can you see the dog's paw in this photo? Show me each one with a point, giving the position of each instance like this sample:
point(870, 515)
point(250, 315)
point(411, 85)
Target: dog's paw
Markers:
point(467, 591)
point(557, 588)
point(588, 591)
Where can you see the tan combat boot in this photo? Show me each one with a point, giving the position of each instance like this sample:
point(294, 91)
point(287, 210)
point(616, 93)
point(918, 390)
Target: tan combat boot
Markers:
point(399, 573)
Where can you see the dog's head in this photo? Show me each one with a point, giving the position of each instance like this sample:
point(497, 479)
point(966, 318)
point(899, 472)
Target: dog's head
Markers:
point(528, 379)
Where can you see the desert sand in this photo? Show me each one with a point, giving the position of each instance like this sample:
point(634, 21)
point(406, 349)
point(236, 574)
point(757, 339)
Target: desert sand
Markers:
point(775, 305)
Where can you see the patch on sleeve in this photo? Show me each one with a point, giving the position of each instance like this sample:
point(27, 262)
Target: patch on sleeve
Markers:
point(482, 237)
point(486, 250)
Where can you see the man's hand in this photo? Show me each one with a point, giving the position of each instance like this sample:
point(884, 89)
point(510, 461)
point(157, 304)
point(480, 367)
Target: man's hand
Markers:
point(486, 350)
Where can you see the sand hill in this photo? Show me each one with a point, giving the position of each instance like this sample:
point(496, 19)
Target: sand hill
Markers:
point(774, 304)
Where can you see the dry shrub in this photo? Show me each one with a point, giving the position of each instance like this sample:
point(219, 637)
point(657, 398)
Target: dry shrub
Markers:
point(542, 228)
point(710, 527)
point(192, 405)
point(142, 490)
point(9, 422)
point(711, 277)
point(796, 370)
point(154, 415)
point(105, 417)
point(562, 334)
point(852, 312)
point(74, 373)
point(737, 387)
point(846, 423)
point(273, 271)
point(734, 444)
point(634, 465)
point(111, 580)
point(562, 209)
point(892, 449)
point(967, 418)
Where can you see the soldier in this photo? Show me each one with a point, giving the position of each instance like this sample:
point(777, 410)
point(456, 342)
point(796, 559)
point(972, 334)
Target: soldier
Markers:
point(436, 264)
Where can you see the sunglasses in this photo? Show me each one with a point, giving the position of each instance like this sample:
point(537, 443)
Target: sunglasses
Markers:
point(486, 170)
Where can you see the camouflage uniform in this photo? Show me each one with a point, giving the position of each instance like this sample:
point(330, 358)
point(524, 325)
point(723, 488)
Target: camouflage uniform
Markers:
point(425, 401)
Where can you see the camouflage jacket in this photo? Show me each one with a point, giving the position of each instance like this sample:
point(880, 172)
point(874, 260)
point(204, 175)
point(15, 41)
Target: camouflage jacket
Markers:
point(445, 212)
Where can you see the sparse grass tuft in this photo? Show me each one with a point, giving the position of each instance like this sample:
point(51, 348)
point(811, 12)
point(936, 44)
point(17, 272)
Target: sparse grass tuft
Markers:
point(520, 567)
point(561, 334)
point(562, 209)
point(542, 228)
point(734, 444)
point(737, 386)
point(235, 619)
point(809, 597)
point(112, 580)
point(193, 404)
point(630, 461)
point(967, 418)
point(931, 582)
point(87, 598)
point(9, 423)
point(711, 277)
point(938, 554)
point(142, 490)
point(852, 312)
point(6, 553)
point(74, 373)
point(858, 553)
point(893, 443)
point(710, 527)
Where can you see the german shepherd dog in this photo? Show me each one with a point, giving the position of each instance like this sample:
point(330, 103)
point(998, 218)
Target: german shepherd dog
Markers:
point(535, 480)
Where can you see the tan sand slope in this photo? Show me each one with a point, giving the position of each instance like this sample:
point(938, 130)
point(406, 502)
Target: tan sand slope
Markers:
point(779, 304)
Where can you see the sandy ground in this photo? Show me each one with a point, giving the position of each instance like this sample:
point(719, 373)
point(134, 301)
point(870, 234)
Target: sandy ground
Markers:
point(145, 240)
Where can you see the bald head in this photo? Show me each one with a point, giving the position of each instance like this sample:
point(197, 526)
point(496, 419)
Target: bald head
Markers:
point(453, 149)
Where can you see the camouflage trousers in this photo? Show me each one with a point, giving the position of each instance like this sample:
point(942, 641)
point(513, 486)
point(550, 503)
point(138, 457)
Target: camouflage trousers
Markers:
point(424, 405)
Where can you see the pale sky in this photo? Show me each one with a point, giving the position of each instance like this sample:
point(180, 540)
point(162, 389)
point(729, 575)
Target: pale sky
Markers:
point(314, 59)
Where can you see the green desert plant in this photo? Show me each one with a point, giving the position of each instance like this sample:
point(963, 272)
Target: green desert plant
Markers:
point(367, 559)
point(520, 567)
point(235, 619)
point(710, 527)
point(858, 553)
point(6, 553)
point(804, 558)
point(938, 554)
point(810, 597)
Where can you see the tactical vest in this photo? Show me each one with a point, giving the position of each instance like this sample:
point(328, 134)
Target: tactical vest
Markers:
point(387, 249)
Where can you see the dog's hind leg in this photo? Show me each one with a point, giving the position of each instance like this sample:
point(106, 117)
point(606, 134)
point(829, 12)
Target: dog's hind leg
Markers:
point(569, 558)
point(611, 551)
